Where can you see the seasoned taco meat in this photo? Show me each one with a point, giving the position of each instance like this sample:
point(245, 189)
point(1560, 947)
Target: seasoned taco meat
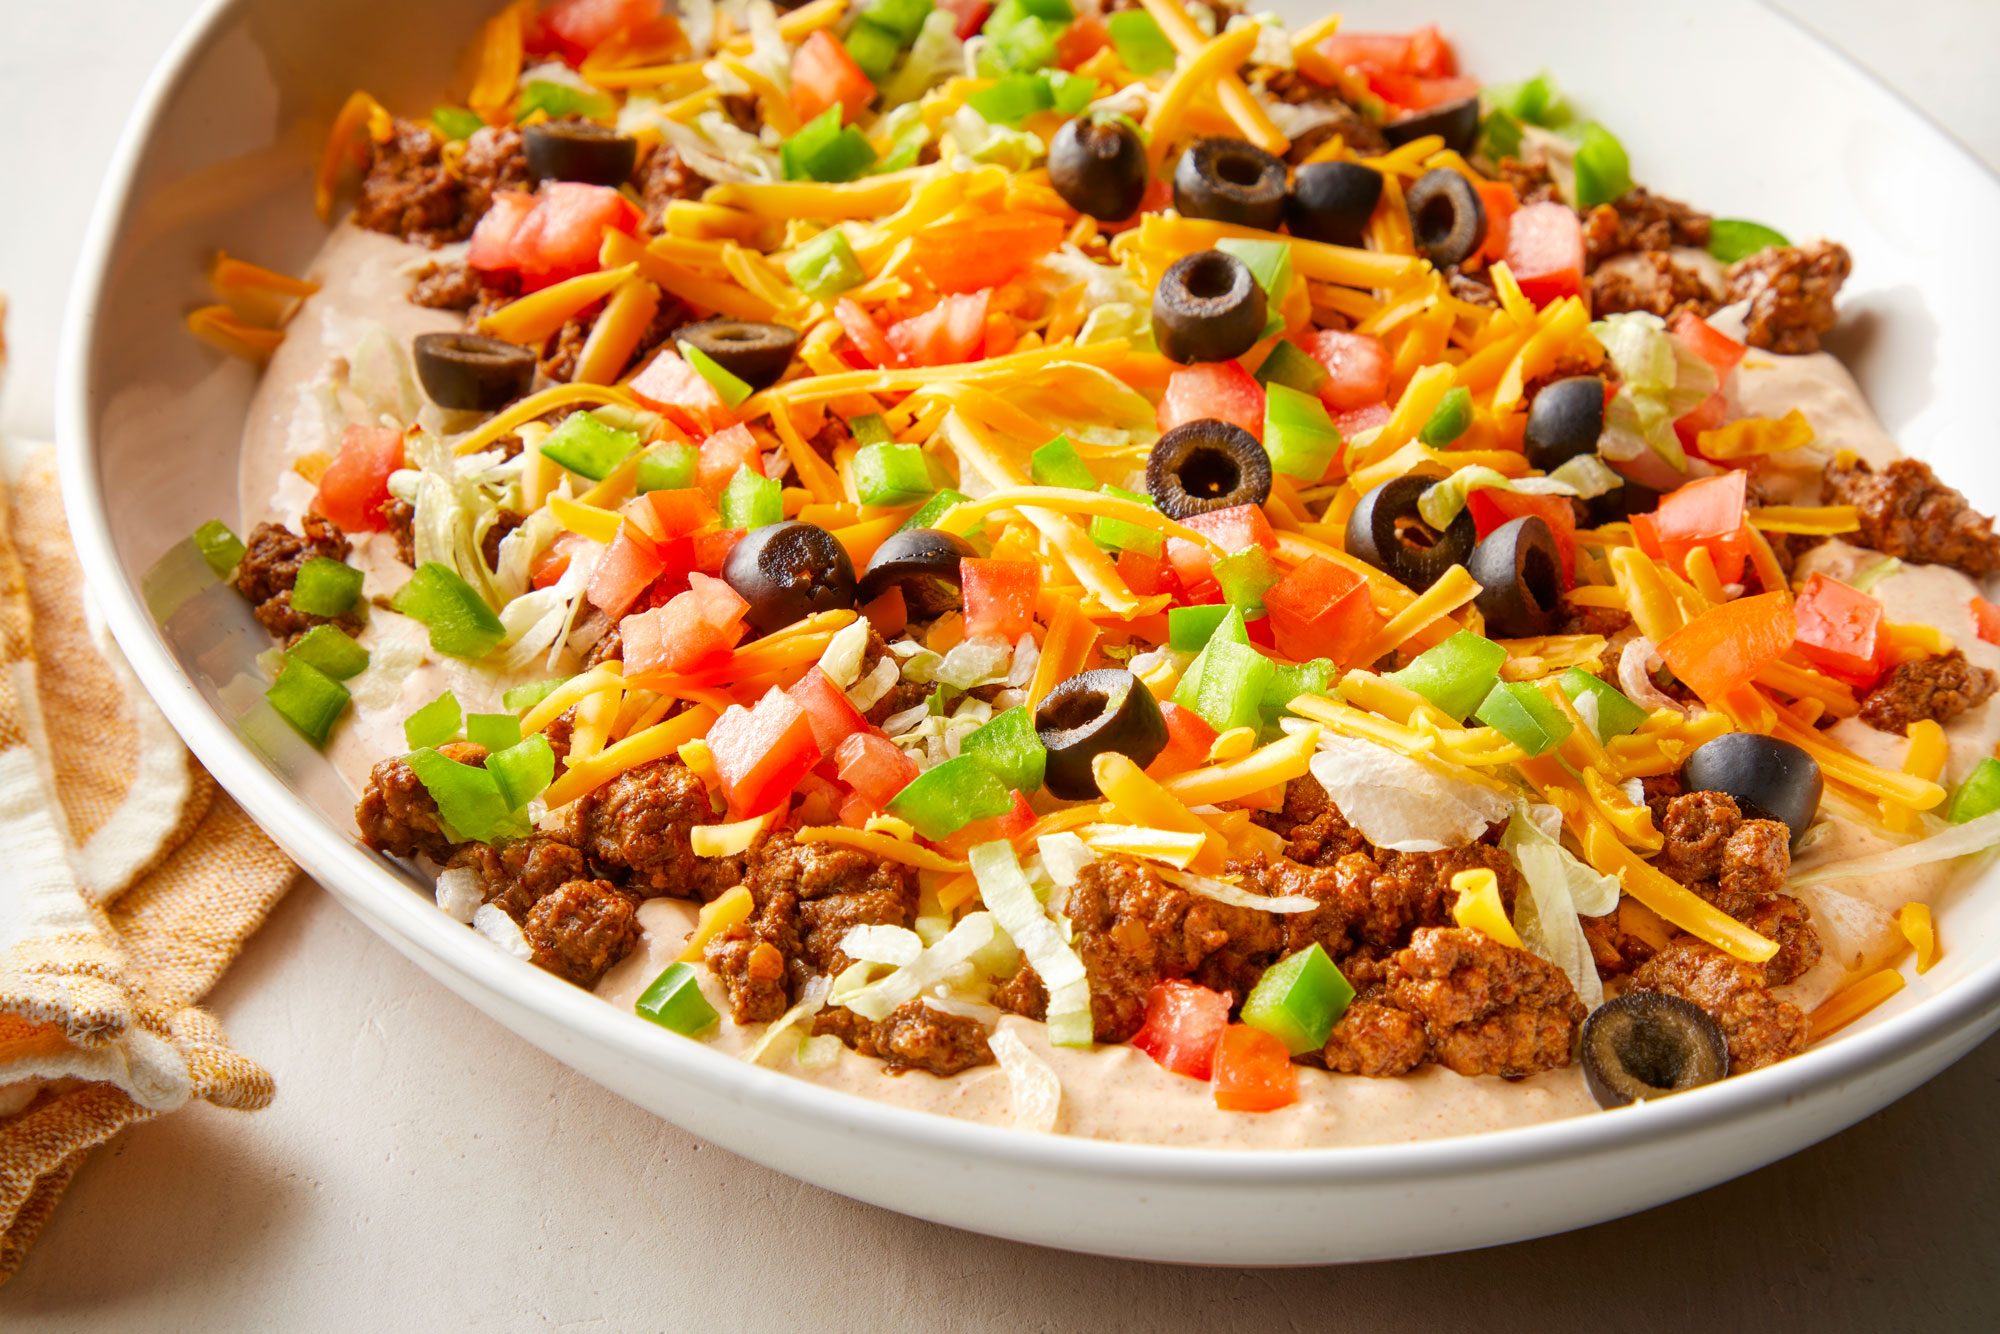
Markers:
point(1906, 511)
point(581, 928)
point(1489, 1009)
point(1938, 688)
point(396, 814)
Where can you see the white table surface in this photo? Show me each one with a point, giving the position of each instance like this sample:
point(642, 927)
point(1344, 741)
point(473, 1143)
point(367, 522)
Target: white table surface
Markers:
point(424, 1169)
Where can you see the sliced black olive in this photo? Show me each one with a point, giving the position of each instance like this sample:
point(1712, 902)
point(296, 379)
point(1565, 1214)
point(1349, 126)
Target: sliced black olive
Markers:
point(1458, 122)
point(1564, 421)
point(1098, 165)
point(1228, 180)
point(1207, 465)
point(1446, 216)
point(1108, 709)
point(1770, 779)
point(579, 150)
point(1387, 531)
point(1519, 570)
point(923, 562)
point(1208, 307)
point(1621, 503)
point(1331, 201)
point(756, 354)
point(1646, 1044)
point(787, 571)
point(471, 372)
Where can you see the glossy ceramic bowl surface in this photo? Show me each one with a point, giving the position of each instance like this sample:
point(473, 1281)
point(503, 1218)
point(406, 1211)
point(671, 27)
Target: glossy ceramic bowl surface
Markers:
point(219, 154)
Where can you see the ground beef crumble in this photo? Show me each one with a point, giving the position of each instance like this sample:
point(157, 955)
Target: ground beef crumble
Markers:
point(270, 568)
point(445, 287)
point(1488, 1008)
point(1653, 281)
point(1791, 291)
point(914, 1036)
point(1906, 511)
point(396, 814)
point(1938, 688)
point(414, 189)
point(1377, 1040)
point(515, 876)
point(637, 824)
point(1640, 220)
point(580, 929)
point(1760, 1028)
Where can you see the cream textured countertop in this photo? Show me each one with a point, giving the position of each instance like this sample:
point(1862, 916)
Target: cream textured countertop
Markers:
point(423, 1168)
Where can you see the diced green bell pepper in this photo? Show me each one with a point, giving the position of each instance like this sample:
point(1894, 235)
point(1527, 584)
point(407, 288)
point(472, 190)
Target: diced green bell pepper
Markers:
point(222, 549)
point(1141, 46)
point(826, 150)
point(1245, 576)
point(1012, 99)
point(460, 622)
point(1070, 92)
point(1524, 716)
point(1121, 535)
point(1299, 999)
point(494, 731)
point(524, 697)
point(1189, 628)
point(561, 101)
point(1298, 435)
point(331, 651)
point(1603, 172)
point(730, 387)
point(752, 500)
point(825, 266)
point(904, 18)
point(1978, 795)
point(469, 800)
point(1616, 714)
point(1230, 629)
point(523, 769)
point(892, 474)
point(1537, 101)
point(1269, 262)
point(1449, 419)
point(1009, 746)
point(1020, 35)
point(1293, 367)
point(326, 587)
point(667, 467)
point(1058, 464)
point(946, 797)
point(1234, 678)
point(1731, 239)
point(456, 122)
point(307, 698)
point(935, 508)
point(587, 446)
point(873, 47)
point(1456, 675)
point(1290, 680)
point(435, 723)
point(871, 428)
point(674, 1002)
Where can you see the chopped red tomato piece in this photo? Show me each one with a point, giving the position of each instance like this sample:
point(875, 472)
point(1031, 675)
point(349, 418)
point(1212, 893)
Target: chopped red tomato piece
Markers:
point(948, 333)
point(761, 753)
point(866, 335)
point(1081, 40)
point(1725, 646)
point(557, 236)
point(1320, 610)
point(493, 239)
point(1233, 529)
point(1362, 50)
point(676, 388)
point(1492, 507)
point(971, 15)
point(1544, 251)
point(1354, 421)
point(572, 29)
point(1837, 625)
point(1986, 618)
point(1706, 512)
point(874, 766)
point(1188, 738)
point(823, 74)
point(1357, 368)
point(355, 486)
point(984, 251)
point(630, 563)
point(712, 548)
point(1707, 415)
point(1501, 204)
point(1222, 390)
point(1700, 337)
point(1184, 1022)
point(999, 595)
point(1430, 55)
point(723, 454)
point(553, 563)
point(1253, 1071)
point(670, 513)
point(1413, 93)
point(1146, 575)
point(834, 718)
point(692, 629)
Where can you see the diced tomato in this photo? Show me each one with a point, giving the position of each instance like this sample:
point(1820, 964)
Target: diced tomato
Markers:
point(1545, 251)
point(723, 454)
point(1710, 413)
point(563, 233)
point(629, 564)
point(823, 74)
point(971, 15)
point(572, 29)
point(945, 335)
point(1260, 632)
point(1700, 337)
point(999, 595)
point(1253, 1071)
point(1413, 93)
point(1146, 575)
point(1837, 625)
point(1354, 421)
point(1222, 390)
point(1430, 55)
point(1000, 338)
point(693, 628)
point(1188, 738)
point(1725, 646)
point(1233, 529)
point(712, 548)
point(866, 335)
point(676, 388)
point(1363, 50)
point(553, 563)
point(355, 486)
point(1357, 368)
point(761, 753)
point(1986, 619)
point(1501, 204)
point(1184, 1022)
point(1706, 512)
point(984, 251)
point(1081, 40)
point(834, 719)
point(1320, 610)
point(874, 766)
point(493, 239)
point(1491, 508)
point(670, 513)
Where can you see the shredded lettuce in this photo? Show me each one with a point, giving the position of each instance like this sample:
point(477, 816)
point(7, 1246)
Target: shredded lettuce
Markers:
point(1034, 1089)
point(983, 141)
point(812, 999)
point(1661, 381)
point(1274, 44)
point(879, 998)
point(1584, 477)
point(1398, 801)
point(1559, 888)
point(1011, 901)
point(936, 55)
point(1960, 840)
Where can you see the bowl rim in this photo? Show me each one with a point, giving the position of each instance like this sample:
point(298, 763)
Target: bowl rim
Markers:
point(390, 905)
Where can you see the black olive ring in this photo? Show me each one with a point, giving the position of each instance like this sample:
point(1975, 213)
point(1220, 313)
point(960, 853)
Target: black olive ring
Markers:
point(924, 563)
point(1108, 709)
point(1387, 531)
point(788, 571)
point(471, 372)
point(1206, 465)
point(1519, 570)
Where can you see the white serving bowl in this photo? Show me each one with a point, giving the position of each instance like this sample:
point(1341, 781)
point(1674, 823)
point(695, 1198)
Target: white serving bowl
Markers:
point(1724, 104)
